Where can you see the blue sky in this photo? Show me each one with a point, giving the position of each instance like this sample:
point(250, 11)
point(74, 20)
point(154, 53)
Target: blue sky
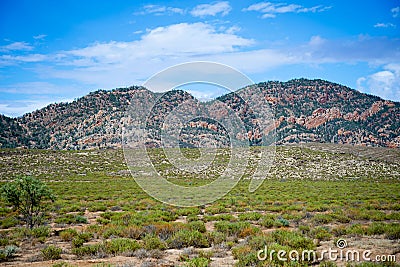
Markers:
point(53, 51)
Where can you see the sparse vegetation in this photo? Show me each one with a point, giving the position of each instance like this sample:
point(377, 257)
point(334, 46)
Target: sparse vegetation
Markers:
point(27, 195)
point(101, 215)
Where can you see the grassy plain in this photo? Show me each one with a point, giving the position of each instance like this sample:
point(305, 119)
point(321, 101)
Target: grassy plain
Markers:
point(313, 196)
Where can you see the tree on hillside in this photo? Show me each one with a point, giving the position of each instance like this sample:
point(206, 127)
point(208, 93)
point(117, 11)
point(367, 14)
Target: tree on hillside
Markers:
point(27, 195)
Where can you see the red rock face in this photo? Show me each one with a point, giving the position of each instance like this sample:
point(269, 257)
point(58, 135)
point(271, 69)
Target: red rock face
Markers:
point(305, 111)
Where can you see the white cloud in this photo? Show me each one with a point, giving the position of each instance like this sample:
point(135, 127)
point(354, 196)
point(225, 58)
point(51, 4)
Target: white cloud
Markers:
point(268, 16)
point(270, 10)
point(16, 46)
point(395, 11)
point(160, 10)
point(9, 59)
point(316, 40)
point(16, 108)
point(373, 50)
point(39, 36)
point(384, 25)
point(36, 88)
point(384, 83)
point(113, 64)
point(211, 9)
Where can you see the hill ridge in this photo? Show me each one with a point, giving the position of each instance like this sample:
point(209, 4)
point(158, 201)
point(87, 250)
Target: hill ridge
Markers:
point(305, 111)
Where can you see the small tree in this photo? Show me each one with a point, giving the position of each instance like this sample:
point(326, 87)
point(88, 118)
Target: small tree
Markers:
point(25, 195)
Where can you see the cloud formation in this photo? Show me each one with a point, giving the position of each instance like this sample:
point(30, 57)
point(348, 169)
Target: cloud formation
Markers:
point(270, 10)
point(16, 46)
point(211, 9)
point(395, 11)
point(385, 83)
point(384, 25)
point(159, 10)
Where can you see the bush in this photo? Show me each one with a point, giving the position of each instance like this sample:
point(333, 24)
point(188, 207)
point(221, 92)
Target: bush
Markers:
point(77, 242)
point(292, 239)
point(281, 222)
point(151, 242)
point(248, 231)
point(26, 195)
point(246, 256)
point(250, 216)
point(356, 229)
point(187, 238)
point(71, 219)
point(8, 222)
point(321, 234)
point(68, 234)
point(322, 219)
point(198, 262)
point(133, 231)
point(197, 225)
point(119, 245)
point(376, 229)
point(41, 232)
point(267, 222)
point(51, 253)
point(231, 229)
point(89, 250)
point(216, 237)
point(8, 252)
point(393, 231)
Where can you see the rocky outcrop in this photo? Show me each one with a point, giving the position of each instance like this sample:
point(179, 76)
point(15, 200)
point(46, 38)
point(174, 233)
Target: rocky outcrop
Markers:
point(305, 111)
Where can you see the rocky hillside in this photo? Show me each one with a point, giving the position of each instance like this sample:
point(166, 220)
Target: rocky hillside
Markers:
point(305, 111)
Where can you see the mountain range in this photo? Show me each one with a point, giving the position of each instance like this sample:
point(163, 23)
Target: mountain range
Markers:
point(305, 111)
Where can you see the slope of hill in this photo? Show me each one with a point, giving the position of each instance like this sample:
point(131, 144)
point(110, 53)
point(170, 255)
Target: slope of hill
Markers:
point(305, 111)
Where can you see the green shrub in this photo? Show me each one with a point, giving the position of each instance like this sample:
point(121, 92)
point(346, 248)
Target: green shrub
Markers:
point(356, 229)
point(81, 219)
point(68, 234)
point(246, 256)
point(219, 217)
point(197, 225)
point(77, 242)
point(339, 231)
point(89, 250)
point(97, 207)
point(231, 228)
point(41, 231)
point(119, 245)
point(62, 264)
point(322, 219)
point(320, 233)
point(267, 222)
point(27, 196)
point(250, 216)
point(8, 252)
point(393, 231)
point(8, 222)
point(71, 219)
point(281, 222)
point(85, 236)
point(198, 262)
point(51, 253)
point(187, 238)
point(133, 231)
point(376, 229)
point(216, 237)
point(292, 239)
point(151, 242)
